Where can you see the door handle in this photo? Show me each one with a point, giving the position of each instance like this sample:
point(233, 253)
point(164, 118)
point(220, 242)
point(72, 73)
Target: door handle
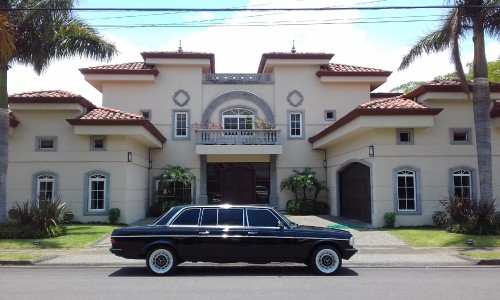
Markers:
point(203, 233)
point(253, 233)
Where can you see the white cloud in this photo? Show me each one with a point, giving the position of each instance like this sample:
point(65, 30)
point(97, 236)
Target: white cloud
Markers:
point(239, 49)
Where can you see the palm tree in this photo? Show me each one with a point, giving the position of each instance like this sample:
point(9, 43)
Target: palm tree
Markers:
point(176, 174)
point(35, 33)
point(477, 17)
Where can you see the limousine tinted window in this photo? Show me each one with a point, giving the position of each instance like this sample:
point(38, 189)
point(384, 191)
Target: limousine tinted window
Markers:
point(231, 217)
point(209, 217)
point(188, 217)
point(261, 218)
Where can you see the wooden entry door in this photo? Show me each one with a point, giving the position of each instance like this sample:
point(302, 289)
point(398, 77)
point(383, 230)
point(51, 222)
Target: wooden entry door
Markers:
point(238, 185)
point(355, 192)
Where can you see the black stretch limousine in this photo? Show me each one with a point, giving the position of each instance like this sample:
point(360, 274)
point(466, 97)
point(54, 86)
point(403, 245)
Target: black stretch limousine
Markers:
point(231, 233)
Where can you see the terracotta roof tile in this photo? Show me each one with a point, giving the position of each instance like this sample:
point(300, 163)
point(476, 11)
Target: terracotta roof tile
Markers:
point(125, 68)
point(392, 103)
point(105, 113)
point(50, 96)
point(452, 85)
point(46, 94)
point(348, 68)
point(381, 107)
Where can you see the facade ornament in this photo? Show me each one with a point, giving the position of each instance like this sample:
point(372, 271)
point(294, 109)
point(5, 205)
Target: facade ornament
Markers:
point(181, 98)
point(295, 98)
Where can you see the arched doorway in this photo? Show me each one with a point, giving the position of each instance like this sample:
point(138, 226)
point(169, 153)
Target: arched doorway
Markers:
point(355, 192)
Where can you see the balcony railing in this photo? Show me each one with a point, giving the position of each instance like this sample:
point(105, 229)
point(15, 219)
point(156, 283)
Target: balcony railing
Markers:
point(238, 137)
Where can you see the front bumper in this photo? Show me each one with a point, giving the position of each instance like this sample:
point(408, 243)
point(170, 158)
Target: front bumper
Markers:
point(348, 253)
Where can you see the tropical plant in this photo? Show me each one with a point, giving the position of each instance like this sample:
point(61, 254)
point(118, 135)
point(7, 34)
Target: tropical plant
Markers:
point(172, 175)
point(45, 214)
point(475, 17)
point(113, 215)
point(465, 215)
point(302, 182)
point(35, 33)
point(390, 219)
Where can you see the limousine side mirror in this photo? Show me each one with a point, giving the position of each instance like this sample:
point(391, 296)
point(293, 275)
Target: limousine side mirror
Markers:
point(281, 225)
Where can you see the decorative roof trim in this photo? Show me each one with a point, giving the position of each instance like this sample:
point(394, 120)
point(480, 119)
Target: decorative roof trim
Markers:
point(177, 54)
point(358, 112)
point(436, 86)
point(31, 97)
point(287, 55)
point(107, 122)
point(354, 73)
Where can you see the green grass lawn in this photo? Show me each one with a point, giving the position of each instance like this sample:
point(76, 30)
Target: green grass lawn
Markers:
point(78, 236)
point(430, 237)
point(19, 256)
point(482, 254)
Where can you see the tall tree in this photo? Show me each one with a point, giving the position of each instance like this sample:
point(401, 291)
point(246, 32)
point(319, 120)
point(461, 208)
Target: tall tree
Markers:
point(476, 17)
point(35, 33)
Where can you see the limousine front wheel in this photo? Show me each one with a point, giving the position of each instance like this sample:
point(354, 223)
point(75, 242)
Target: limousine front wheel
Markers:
point(161, 261)
point(326, 260)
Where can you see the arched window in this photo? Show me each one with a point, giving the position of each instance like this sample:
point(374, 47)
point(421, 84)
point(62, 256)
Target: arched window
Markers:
point(238, 118)
point(97, 192)
point(462, 183)
point(45, 186)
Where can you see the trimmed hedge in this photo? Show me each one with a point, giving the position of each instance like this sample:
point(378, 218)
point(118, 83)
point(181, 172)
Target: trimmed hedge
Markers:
point(307, 207)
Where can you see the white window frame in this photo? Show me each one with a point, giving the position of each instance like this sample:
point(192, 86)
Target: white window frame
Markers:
point(461, 173)
point(91, 177)
point(239, 114)
point(93, 140)
point(184, 126)
point(296, 124)
point(409, 131)
point(407, 172)
point(466, 131)
point(41, 139)
point(333, 112)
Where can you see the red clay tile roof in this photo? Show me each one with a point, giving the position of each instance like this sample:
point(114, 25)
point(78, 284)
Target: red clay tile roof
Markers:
point(51, 96)
point(105, 113)
point(349, 70)
point(446, 85)
point(105, 116)
point(290, 55)
point(397, 102)
point(126, 68)
point(182, 54)
point(381, 107)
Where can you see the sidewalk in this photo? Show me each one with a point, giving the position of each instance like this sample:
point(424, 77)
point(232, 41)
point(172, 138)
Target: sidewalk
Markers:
point(376, 248)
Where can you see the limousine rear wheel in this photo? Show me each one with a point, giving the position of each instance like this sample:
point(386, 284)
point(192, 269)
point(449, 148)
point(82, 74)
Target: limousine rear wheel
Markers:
point(326, 260)
point(161, 260)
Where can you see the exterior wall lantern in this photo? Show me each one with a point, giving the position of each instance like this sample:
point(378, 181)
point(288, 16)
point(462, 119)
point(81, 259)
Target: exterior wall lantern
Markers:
point(371, 151)
point(129, 157)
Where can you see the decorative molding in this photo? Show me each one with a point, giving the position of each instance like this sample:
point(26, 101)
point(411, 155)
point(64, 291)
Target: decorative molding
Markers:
point(295, 98)
point(181, 98)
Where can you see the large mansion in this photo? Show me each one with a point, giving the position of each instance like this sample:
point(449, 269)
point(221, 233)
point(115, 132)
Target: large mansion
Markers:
point(242, 134)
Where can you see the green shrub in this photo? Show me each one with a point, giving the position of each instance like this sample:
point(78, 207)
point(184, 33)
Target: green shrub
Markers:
point(390, 219)
point(113, 215)
point(167, 205)
point(470, 216)
point(441, 219)
point(45, 215)
point(68, 217)
point(306, 207)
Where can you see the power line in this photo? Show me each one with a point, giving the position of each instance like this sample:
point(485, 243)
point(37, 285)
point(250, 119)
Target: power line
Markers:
point(244, 9)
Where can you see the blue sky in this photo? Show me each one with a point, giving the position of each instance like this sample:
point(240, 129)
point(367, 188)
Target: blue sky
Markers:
point(375, 38)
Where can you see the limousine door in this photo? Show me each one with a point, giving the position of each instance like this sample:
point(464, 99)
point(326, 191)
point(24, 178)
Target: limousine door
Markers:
point(267, 241)
point(221, 235)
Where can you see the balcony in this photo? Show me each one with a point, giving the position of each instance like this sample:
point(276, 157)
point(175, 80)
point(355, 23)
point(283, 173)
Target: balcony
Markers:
point(234, 141)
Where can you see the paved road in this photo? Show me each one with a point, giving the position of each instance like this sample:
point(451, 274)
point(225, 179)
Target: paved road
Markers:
point(263, 282)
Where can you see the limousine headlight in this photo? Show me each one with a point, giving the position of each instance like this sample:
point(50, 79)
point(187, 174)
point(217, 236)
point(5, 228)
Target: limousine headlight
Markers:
point(351, 241)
